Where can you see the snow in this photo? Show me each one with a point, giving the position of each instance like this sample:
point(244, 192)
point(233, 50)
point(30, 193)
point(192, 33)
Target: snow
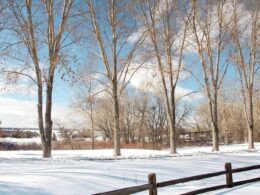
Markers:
point(93, 171)
point(21, 141)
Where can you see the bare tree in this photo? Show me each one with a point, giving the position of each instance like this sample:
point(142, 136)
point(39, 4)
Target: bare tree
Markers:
point(142, 109)
point(90, 101)
point(85, 102)
point(156, 121)
point(159, 19)
point(210, 39)
point(30, 30)
point(246, 39)
point(4, 15)
point(104, 118)
point(113, 25)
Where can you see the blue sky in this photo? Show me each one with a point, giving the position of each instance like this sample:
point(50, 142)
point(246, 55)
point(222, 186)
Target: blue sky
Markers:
point(13, 102)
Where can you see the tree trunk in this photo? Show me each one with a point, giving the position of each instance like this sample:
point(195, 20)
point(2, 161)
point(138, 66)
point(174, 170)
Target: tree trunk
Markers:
point(226, 137)
point(40, 113)
point(168, 107)
point(141, 134)
point(215, 130)
point(116, 120)
point(92, 126)
point(126, 135)
point(46, 149)
point(48, 119)
point(46, 146)
point(172, 141)
point(250, 137)
point(250, 123)
point(215, 141)
point(173, 124)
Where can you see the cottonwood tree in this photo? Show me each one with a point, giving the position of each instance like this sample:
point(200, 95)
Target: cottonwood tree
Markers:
point(42, 34)
point(209, 37)
point(246, 42)
point(113, 25)
point(167, 38)
point(257, 116)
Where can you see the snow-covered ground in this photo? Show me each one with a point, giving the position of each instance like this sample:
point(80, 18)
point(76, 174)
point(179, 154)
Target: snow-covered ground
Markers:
point(92, 171)
point(21, 141)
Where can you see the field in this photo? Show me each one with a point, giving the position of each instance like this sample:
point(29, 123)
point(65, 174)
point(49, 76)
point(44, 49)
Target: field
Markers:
point(92, 171)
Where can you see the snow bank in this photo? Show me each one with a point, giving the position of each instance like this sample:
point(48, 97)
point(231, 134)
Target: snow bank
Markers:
point(21, 141)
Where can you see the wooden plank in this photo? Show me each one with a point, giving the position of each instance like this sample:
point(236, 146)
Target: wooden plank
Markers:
point(203, 190)
point(249, 168)
point(213, 188)
point(188, 179)
point(229, 170)
point(238, 183)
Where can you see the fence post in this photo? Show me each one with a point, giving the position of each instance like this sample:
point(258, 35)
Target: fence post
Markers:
point(152, 180)
point(229, 177)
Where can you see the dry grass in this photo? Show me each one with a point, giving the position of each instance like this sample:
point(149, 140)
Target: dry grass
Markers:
point(81, 144)
point(18, 134)
point(14, 146)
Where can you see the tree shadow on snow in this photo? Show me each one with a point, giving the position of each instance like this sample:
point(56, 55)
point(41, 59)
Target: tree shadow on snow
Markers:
point(16, 188)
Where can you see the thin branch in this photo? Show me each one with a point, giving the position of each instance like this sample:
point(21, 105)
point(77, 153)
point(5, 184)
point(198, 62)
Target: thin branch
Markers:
point(21, 73)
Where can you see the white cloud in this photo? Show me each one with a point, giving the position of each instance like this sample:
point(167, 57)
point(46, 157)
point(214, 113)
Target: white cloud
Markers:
point(244, 21)
point(188, 95)
point(135, 36)
point(17, 113)
point(100, 91)
point(18, 88)
point(23, 113)
point(148, 79)
point(17, 85)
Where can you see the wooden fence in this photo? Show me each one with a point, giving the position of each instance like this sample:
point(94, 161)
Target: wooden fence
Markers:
point(153, 185)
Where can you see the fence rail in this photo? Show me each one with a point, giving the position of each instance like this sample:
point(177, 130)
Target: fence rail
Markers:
point(153, 185)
